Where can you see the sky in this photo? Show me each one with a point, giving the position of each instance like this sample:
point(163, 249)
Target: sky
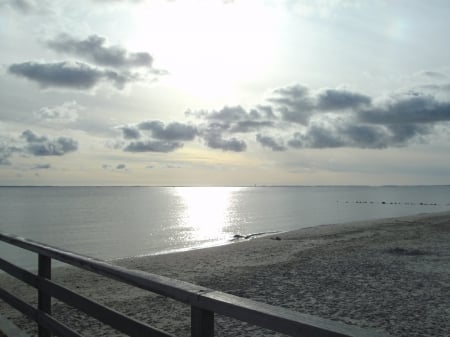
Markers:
point(224, 93)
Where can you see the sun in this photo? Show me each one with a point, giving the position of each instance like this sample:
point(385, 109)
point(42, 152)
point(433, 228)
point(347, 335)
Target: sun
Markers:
point(208, 47)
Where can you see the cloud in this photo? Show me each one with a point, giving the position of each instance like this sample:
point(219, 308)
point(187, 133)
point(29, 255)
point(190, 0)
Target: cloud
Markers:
point(433, 75)
point(402, 133)
point(334, 99)
point(71, 75)
point(172, 132)
point(317, 137)
point(153, 146)
point(23, 6)
point(409, 108)
point(228, 114)
point(6, 152)
point(302, 119)
point(155, 136)
point(43, 146)
point(41, 167)
point(218, 126)
point(93, 49)
point(130, 133)
point(117, 168)
point(298, 104)
point(215, 141)
point(338, 134)
point(66, 112)
point(250, 126)
point(294, 103)
point(235, 117)
point(270, 142)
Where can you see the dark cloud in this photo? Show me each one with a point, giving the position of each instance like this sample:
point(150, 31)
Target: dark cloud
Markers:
point(330, 118)
point(153, 146)
point(366, 136)
point(334, 99)
point(228, 114)
point(403, 133)
point(317, 137)
point(411, 108)
point(93, 49)
point(354, 135)
point(295, 103)
point(270, 142)
point(6, 152)
point(215, 141)
point(155, 136)
point(172, 132)
point(73, 75)
point(4, 158)
point(250, 126)
point(218, 125)
point(266, 111)
point(130, 132)
point(43, 146)
point(121, 167)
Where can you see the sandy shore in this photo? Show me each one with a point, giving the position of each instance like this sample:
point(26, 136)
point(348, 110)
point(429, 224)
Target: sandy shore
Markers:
point(392, 275)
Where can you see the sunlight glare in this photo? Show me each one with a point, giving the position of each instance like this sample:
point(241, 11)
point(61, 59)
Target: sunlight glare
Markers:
point(207, 46)
point(206, 211)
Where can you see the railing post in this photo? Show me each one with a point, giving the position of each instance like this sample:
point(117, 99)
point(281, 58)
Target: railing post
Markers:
point(202, 322)
point(44, 300)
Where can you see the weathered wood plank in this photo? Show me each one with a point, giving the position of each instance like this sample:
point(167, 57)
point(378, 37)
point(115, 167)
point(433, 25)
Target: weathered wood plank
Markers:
point(175, 289)
point(42, 318)
point(19, 273)
point(277, 318)
point(44, 299)
point(202, 322)
point(104, 314)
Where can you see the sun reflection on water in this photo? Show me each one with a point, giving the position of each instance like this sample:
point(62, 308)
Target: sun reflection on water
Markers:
point(206, 212)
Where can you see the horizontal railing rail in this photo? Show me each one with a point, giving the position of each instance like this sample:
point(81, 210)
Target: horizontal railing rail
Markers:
point(204, 302)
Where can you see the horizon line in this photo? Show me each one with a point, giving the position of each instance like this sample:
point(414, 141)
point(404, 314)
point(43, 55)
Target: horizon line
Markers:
point(253, 185)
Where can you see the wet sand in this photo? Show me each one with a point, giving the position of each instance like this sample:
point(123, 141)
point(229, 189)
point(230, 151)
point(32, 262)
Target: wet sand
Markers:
point(390, 275)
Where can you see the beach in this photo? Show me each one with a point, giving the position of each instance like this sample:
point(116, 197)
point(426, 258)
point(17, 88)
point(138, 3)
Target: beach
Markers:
point(390, 275)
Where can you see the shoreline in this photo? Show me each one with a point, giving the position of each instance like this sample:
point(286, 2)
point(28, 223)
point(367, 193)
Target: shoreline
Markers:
point(389, 274)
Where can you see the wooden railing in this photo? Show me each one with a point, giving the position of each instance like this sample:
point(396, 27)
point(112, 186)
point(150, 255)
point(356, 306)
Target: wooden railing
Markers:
point(204, 302)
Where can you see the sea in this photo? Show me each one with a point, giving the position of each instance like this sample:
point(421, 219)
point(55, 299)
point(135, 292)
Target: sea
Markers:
point(112, 223)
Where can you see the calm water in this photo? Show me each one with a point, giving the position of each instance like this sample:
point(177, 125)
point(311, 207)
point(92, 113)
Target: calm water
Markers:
point(116, 222)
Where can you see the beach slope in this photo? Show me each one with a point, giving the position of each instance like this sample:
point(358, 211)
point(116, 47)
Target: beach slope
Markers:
point(391, 275)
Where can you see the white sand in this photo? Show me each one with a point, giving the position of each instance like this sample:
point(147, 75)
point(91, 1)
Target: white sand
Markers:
point(392, 275)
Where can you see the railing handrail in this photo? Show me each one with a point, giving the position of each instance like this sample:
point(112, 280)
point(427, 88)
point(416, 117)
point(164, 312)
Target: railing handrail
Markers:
point(201, 298)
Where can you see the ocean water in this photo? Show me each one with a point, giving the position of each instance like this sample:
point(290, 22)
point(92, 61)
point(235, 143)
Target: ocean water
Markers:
point(117, 222)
